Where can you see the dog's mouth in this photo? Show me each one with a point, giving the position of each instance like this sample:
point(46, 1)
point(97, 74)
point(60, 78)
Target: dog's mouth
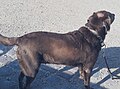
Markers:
point(110, 18)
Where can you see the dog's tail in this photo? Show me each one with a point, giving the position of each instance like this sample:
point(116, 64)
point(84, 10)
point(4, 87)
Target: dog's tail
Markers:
point(8, 41)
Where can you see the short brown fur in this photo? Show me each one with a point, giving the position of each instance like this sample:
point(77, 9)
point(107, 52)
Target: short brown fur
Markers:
point(78, 48)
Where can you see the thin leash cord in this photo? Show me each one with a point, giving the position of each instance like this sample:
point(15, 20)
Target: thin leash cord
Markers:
point(105, 58)
point(110, 73)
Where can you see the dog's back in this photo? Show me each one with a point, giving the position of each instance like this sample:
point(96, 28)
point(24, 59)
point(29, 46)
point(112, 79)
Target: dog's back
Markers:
point(55, 48)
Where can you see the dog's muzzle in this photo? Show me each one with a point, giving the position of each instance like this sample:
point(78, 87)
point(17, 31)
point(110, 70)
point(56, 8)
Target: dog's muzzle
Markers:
point(112, 17)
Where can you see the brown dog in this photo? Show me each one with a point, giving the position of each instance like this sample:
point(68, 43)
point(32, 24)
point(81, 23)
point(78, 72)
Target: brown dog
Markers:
point(78, 48)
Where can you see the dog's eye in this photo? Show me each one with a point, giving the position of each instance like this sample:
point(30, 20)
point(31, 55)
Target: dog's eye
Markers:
point(88, 20)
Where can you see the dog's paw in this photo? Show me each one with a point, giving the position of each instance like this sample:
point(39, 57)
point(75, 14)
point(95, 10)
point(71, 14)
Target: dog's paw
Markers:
point(81, 77)
point(87, 87)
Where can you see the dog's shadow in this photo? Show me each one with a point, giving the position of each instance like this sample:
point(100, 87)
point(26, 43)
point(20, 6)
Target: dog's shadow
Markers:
point(4, 49)
point(57, 76)
point(47, 78)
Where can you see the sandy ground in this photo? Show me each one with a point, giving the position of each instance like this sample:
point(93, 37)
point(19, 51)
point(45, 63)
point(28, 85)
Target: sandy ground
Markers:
point(18, 17)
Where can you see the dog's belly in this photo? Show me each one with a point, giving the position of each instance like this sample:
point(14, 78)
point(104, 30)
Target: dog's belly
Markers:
point(52, 60)
point(63, 56)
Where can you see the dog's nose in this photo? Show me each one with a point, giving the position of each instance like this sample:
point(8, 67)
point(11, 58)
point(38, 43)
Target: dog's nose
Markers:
point(113, 14)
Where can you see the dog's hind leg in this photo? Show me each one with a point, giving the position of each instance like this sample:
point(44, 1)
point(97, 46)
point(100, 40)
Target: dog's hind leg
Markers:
point(21, 77)
point(29, 64)
point(29, 80)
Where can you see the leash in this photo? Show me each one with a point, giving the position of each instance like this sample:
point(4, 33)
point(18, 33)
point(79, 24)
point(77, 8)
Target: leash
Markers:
point(105, 58)
point(103, 45)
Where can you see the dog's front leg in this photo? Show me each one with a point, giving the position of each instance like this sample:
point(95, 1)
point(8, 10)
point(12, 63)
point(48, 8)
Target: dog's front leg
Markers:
point(87, 74)
point(81, 71)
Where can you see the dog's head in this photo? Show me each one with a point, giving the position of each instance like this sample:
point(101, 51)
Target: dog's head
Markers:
point(100, 22)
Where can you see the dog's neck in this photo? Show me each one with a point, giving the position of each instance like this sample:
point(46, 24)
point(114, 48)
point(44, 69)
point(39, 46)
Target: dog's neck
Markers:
point(94, 31)
point(97, 34)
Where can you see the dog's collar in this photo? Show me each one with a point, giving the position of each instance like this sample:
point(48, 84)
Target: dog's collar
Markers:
point(95, 33)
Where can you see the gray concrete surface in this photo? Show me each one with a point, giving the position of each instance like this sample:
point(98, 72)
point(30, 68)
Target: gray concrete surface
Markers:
point(18, 17)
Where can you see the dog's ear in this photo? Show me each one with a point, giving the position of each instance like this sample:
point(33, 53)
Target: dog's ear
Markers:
point(94, 13)
point(90, 17)
point(94, 21)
